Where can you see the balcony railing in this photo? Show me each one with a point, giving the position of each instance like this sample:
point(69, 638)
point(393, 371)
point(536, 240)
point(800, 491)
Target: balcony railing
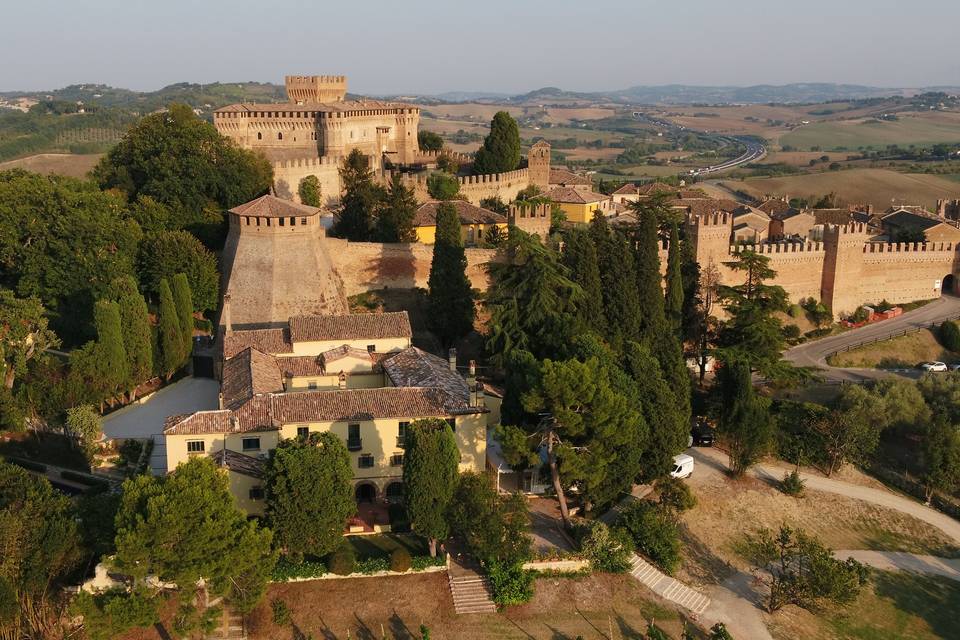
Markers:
point(354, 444)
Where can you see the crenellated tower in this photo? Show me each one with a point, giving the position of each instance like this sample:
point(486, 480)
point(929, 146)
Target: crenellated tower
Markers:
point(538, 162)
point(316, 89)
point(843, 266)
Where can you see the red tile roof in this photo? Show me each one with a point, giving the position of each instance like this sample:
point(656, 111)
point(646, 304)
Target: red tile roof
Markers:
point(355, 326)
point(426, 215)
point(566, 178)
point(269, 206)
point(247, 374)
point(574, 196)
point(263, 340)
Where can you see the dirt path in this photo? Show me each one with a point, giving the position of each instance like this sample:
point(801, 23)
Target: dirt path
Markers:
point(899, 561)
point(881, 497)
point(738, 605)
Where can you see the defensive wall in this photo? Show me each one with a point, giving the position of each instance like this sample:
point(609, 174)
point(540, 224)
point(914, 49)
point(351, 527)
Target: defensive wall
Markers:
point(287, 175)
point(364, 266)
point(844, 271)
point(506, 186)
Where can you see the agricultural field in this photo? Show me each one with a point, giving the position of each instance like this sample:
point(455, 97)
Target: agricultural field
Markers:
point(921, 130)
point(65, 164)
point(878, 187)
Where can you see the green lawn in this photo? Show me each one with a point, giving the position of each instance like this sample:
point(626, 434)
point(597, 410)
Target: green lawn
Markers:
point(381, 545)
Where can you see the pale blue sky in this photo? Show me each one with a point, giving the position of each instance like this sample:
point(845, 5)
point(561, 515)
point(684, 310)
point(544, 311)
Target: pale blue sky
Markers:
point(488, 45)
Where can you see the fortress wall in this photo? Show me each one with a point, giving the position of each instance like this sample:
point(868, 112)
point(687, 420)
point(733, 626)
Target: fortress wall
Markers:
point(476, 188)
point(905, 272)
point(287, 175)
point(364, 266)
point(799, 268)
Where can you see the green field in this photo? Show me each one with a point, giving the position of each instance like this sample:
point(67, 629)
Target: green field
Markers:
point(852, 134)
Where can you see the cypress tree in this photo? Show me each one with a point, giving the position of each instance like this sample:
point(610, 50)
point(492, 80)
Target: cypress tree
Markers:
point(621, 307)
point(135, 325)
point(673, 307)
point(111, 357)
point(580, 257)
point(430, 466)
point(183, 300)
point(745, 420)
point(649, 281)
point(501, 148)
point(171, 337)
point(450, 298)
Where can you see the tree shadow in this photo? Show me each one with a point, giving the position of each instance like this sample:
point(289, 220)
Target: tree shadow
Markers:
point(592, 626)
point(162, 631)
point(399, 628)
point(364, 632)
point(934, 599)
point(626, 629)
point(325, 632)
point(704, 565)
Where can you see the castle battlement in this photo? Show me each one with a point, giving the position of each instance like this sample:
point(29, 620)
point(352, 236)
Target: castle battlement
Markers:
point(910, 247)
point(715, 219)
point(306, 163)
point(424, 157)
point(779, 248)
point(316, 89)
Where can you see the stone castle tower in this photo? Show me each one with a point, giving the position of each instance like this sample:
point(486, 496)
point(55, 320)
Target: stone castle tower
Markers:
point(316, 89)
point(843, 266)
point(538, 163)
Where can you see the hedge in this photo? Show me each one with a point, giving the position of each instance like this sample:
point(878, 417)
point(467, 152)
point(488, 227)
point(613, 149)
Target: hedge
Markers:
point(28, 464)
point(286, 570)
point(83, 478)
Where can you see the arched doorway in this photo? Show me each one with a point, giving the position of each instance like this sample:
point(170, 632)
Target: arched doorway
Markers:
point(366, 493)
point(394, 492)
point(949, 285)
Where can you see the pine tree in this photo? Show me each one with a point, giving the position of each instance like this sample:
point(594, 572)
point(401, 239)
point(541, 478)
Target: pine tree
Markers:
point(580, 257)
point(430, 467)
point(135, 325)
point(395, 219)
point(450, 298)
point(183, 300)
point(501, 148)
point(615, 261)
point(673, 307)
point(745, 421)
point(360, 199)
point(171, 336)
point(111, 357)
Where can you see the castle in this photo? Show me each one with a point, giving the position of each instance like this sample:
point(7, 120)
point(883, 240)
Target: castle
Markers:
point(317, 127)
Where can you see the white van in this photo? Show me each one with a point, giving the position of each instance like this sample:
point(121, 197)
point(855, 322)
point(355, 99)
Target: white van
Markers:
point(682, 466)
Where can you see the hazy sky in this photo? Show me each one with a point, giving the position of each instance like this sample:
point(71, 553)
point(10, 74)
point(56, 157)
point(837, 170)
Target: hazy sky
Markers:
point(485, 45)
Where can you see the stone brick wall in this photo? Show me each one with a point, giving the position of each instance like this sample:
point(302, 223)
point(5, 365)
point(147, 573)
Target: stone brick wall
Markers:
point(364, 266)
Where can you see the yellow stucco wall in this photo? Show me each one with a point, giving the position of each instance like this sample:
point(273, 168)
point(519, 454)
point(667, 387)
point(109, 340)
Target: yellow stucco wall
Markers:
point(240, 486)
point(583, 213)
point(381, 345)
point(354, 381)
point(468, 232)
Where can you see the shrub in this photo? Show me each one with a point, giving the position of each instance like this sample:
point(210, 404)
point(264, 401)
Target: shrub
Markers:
point(370, 566)
point(676, 495)
point(343, 561)
point(654, 533)
point(281, 614)
point(399, 520)
point(285, 569)
point(400, 560)
point(656, 633)
point(719, 632)
point(950, 336)
point(608, 549)
point(511, 584)
point(792, 484)
point(442, 186)
point(30, 465)
point(112, 613)
point(790, 331)
point(420, 563)
point(795, 311)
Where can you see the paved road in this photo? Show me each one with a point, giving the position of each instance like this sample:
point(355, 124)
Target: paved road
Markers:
point(754, 151)
point(814, 354)
point(900, 561)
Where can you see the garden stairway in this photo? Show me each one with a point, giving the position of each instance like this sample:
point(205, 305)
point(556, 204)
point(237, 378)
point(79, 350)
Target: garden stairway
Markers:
point(230, 627)
point(667, 587)
point(470, 588)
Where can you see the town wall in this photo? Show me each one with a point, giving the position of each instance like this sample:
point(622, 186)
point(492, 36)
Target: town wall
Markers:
point(364, 266)
point(905, 272)
point(506, 186)
point(287, 175)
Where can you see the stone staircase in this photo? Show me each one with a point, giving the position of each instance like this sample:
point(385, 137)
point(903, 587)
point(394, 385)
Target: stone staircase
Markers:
point(471, 594)
point(667, 587)
point(231, 627)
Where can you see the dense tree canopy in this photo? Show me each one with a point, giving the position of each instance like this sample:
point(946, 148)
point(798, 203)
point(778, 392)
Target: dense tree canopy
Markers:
point(580, 257)
point(23, 334)
point(309, 494)
point(309, 191)
point(360, 198)
point(442, 186)
point(182, 161)
point(170, 335)
point(745, 421)
point(396, 213)
point(164, 254)
point(135, 326)
point(158, 514)
point(429, 141)
point(615, 264)
point(501, 148)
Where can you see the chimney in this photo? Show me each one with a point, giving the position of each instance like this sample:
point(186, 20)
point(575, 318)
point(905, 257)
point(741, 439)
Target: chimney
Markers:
point(452, 359)
point(220, 400)
point(234, 423)
point(342, 380)
point(941, 208)
point(225, 316)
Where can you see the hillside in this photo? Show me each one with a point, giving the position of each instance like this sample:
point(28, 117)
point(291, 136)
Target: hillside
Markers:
point(873, 186)
point(64, 164)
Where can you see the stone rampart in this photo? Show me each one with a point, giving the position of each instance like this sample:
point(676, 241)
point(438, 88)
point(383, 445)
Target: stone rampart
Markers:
point(506, 186)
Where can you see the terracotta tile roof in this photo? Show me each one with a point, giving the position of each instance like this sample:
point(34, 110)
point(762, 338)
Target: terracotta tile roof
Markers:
point(834, 216)
point(345, 351)
point(574, 196)
point(263, 340)
point(415, 367)
point(239, 463)
point(773, 205)
point(269, 206)
point(627, 189)
point(566, 178)
point(539, 144)
point(198, 423)
point(426, 215)
point(704, 206)
point(355, 326)
point(247, 374)
point(366, 404)
point(301, 366)
point(786, 214)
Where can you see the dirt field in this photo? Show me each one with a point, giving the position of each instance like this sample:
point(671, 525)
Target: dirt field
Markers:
point(800, 158)
point(910, 349)
point(599, 606)
point(873, 186)
point(728, 510)
point(920, 129)
point(66, 164)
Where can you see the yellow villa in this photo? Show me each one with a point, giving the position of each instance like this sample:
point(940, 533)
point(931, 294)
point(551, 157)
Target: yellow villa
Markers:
point(579, 204)
point(476, 223)
point(357, 376)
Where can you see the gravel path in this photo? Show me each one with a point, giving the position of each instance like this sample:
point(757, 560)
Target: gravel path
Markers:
point(900, 561)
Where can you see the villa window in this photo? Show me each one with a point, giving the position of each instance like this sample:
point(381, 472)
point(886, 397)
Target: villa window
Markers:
point(303, 432)
point(396, 460)
point(354, 443)
point(312, 385)
point(251, 444)
point(195, 446)
point(371, 348)
point(281, 222)
point(293, 221)
point(402, 434)
point(256, 493)
point(365, 461)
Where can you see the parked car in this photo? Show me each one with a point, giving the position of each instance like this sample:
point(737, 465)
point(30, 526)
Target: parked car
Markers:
point(955, 366)
point(933, 366)
point(682, 466)
point(702, 435)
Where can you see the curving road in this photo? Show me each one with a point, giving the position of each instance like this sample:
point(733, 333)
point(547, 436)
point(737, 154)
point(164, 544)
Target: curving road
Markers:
point(755, 150)
point(814, 354)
